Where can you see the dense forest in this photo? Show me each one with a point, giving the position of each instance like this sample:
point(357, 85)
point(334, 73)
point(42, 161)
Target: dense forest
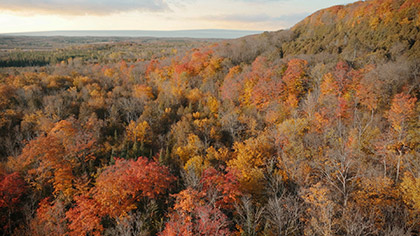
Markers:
point(313, 130)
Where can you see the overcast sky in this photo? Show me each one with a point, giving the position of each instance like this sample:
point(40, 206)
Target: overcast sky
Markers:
point(46, 15)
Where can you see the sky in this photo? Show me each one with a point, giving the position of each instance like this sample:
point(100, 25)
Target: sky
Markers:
point(260, 15)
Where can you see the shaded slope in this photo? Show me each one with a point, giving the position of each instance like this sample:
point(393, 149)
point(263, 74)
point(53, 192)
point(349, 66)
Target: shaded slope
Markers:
point(384, 28)
point(365, 31)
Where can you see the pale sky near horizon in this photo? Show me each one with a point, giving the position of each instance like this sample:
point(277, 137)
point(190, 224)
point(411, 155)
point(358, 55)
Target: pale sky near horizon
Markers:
point(48, 15)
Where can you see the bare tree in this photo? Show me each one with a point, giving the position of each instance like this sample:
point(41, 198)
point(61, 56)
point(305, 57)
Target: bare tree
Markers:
point(249, 216)
point(284, 213)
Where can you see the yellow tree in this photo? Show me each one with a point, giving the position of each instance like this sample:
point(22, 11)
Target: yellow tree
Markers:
point(249, 159)
point(410, 188)
point(322, 220)
point(374, 197)
point(139, 132)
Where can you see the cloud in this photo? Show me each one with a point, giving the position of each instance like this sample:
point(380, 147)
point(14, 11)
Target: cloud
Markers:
point(83, 7)
point(259, 18)
point(261, 1)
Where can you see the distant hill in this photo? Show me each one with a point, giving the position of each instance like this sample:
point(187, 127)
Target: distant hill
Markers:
point(205, 33)
point(384, 28)
point(373, 30)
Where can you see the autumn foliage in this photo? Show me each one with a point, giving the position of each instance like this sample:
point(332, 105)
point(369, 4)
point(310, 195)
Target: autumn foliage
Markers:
point(203, 212)
point(308, 131)
point(116, 192)
point(12, 190)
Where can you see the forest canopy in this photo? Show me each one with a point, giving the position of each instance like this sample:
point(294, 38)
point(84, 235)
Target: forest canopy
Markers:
point(308, 131)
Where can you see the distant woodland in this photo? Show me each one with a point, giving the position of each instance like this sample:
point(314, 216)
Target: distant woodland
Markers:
point(313, 130)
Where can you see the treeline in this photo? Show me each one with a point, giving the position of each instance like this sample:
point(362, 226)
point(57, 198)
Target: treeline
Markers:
point(242, 137)
point(107, 52)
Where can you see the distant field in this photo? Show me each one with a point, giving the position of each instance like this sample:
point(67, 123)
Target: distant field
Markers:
point(8, 42)
point(24, 51)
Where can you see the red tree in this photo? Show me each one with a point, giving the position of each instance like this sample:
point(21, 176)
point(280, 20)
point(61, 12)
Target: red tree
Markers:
point(118, 188)
point(192, 216)
point(12, 188)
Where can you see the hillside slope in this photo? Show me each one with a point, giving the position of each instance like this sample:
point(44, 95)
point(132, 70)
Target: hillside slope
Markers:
point(373, 30)
point(383, 28)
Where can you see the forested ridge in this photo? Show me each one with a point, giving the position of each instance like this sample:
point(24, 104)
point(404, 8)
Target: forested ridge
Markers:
point(313, 130)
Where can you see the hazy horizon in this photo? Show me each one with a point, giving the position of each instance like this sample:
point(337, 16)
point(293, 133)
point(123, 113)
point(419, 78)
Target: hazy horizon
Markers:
point(197, 33)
